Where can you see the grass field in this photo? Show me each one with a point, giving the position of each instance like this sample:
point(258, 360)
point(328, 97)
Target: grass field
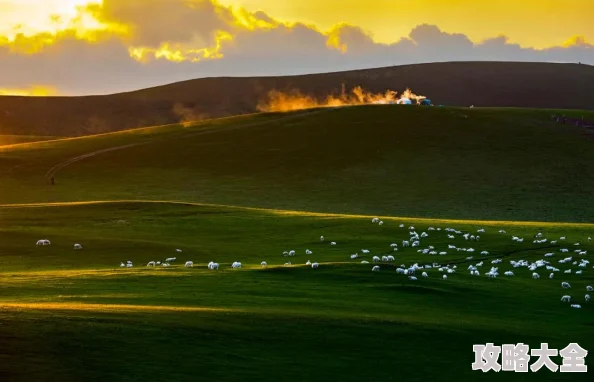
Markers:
point(248, 188)
point(6, 140)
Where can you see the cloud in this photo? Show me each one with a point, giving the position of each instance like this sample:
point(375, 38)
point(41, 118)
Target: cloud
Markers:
point(140, 43)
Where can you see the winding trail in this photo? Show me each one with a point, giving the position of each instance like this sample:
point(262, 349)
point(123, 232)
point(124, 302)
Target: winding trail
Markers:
point(52, 171)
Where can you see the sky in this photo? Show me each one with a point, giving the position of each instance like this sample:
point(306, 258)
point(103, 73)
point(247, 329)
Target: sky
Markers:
point(82, 47)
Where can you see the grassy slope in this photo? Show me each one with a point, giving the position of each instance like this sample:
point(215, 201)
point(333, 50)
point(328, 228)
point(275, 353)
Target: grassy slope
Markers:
point(503, 164)
point(501, 84)
point(340, 321)
point(6, 140)
point(290, 323)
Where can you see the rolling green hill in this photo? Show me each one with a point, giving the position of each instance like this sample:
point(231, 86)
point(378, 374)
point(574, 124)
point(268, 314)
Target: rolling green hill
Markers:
point(248, 188)
point(500, 164)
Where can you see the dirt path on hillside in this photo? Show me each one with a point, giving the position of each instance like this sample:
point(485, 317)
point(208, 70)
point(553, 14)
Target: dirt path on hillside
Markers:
point(52, 171)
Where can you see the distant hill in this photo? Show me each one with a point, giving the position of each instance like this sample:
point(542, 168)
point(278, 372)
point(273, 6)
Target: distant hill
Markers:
point(502, 84)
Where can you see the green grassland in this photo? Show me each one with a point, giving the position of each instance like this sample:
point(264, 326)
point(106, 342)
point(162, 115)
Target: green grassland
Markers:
point(248, 188)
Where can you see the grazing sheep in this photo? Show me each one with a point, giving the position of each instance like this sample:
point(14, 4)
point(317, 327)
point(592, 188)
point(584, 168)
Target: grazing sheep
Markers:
point(264, 264)
point(292, 253)
point(151, 264)
point(77, 246)
point(578, 272)
point(375, 259)
point(374, 220)
point(381, 223)
point(589, 288)
point(322, 238)
point(413, 278)
point(189, 264)
point(384, 258)
point(424, 274)
point(445, 277)
point(236, 264)
point(364, 251)
point(308, 262)
point(165, 265)
point(122, 265)
point(484, 253)
point(178, 250)
point(587, 298)
point(577, 306)
point(375, 268)
point(566, 298)
point(567, 271)
point(405, 243)
point(535, 276)
point(401, 226)
point(391, 258)
point(393, 245)
point(170, 259)
point(129, 265)
point(213, 265)
point(43, 242)
point(565, 285)
point(551, 275)
point(364, 262)
point(308, 252)
point(509, 273)
point(333, 243)
point(289, 263)
point(354, 256)
point(315, 265)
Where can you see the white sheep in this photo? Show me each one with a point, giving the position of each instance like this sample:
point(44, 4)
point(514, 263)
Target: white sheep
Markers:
point(375, 259)
point(381, 223)
point(384, 258)
point(566, 298)
point(364, 251)
point(405, 243)
point(535, 276)
point(424, 274)
point(122, 265)
point(170, 259)
point(413, 278)
point(213, 265)
point(375, 268)
point(151, 264)
point(307, 262)
point(391, 258)
point(236, 264)
point(43, 242)
point(263, 264)
point(77, 246)
point(292, 253)
point(308, 252)
point(322, 238)
point(129, 265)
point(445, 277)
point(314, 265)
point(551, 275)
point(364, 262)
point(333, 243)
point(577, 306)
point(589, 288)
point(509, 273)
point(178, 250)
point(374, 220)
point(587, 298)
point(165, 265)
point(189, 264)
point(393, 245)
point(354, 255)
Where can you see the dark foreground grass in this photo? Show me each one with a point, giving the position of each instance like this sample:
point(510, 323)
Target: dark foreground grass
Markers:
point(70, 315)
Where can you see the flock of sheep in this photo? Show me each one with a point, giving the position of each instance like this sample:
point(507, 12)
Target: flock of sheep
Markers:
point(415, 241)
